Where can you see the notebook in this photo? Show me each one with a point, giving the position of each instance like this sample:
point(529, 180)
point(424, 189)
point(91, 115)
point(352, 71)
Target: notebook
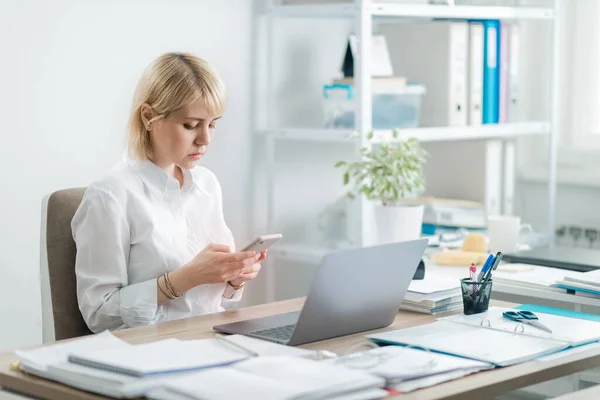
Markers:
point(573, 331)
point(272, 378)
point(163, 356)
point(474, 342)
point(37, 360)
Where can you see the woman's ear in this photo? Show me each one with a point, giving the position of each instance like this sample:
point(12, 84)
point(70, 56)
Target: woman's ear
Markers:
point(147, 113)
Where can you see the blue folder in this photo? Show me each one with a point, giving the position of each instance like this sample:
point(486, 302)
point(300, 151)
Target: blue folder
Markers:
point(491, 72)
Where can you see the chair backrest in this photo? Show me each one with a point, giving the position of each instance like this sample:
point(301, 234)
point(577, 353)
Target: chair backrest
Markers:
point(61, 318)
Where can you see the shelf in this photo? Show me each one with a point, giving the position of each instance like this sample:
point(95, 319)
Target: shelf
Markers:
point(422, 11)
point(441, 134)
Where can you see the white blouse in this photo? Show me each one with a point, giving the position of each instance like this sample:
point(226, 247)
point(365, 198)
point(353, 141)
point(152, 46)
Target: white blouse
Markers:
point(135, 224)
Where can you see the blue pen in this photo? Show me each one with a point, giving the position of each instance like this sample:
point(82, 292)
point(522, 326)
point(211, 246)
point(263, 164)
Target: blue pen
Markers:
point(486, 266)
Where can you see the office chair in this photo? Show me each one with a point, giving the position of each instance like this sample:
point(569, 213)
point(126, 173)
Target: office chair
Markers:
point(61, 318)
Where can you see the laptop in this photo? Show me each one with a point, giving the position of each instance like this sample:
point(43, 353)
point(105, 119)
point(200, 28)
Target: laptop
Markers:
point(569, 258)
point(353, 291)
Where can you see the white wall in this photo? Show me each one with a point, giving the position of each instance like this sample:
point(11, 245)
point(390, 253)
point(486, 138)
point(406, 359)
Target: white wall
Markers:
point(67, 76)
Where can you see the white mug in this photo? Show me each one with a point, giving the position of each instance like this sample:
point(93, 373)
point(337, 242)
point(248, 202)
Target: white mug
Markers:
point(504, 231)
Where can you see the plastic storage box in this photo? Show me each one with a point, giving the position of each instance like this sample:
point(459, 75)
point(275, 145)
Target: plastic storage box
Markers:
point(396, 108)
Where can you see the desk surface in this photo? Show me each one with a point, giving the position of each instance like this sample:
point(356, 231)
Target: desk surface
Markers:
point(477, 386)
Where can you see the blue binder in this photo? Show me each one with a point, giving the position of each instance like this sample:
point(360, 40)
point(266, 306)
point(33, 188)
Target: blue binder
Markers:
point(491, 72)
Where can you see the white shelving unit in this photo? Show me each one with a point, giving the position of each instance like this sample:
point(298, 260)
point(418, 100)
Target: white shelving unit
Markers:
point(363, 12)
point(435, 134)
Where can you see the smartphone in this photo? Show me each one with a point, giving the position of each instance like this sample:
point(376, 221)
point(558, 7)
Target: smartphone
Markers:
point(262, 242)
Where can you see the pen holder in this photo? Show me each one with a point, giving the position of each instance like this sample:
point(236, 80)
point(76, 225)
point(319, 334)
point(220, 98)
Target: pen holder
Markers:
point(476, 296)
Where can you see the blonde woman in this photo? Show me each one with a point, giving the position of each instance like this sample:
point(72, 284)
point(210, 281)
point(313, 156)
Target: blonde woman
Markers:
point(152, 242)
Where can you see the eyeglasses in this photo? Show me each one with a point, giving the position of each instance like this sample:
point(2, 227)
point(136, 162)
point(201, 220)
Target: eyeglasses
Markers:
point(378, 356)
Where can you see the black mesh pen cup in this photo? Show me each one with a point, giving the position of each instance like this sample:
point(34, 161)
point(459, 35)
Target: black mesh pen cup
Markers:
point(476, 296)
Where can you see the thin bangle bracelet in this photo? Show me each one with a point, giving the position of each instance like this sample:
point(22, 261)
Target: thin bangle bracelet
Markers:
point(161, 289)
point(236, 287)
point(170, 286)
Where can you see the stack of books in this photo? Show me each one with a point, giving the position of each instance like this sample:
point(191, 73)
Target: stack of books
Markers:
point(432, 296)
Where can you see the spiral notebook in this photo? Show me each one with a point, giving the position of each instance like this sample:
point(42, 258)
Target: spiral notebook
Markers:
point(160, 357)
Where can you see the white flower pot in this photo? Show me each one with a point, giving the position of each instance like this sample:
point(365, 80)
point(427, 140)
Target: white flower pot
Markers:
point(398, 223)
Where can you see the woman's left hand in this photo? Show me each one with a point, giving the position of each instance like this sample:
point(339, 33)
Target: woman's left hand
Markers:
point(250, 272)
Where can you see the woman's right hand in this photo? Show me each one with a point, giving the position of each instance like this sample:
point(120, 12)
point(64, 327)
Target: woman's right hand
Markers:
point(214, 264)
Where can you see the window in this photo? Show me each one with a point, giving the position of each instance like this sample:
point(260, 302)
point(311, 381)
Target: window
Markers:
point(580, 91)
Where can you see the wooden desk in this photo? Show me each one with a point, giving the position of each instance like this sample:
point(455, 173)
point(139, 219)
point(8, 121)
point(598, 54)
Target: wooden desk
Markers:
point(477, 386)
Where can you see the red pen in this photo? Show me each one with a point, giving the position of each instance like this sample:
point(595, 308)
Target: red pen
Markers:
point(472, 271)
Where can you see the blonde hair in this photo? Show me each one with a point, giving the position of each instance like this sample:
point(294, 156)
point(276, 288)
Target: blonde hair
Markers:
point(171, 82)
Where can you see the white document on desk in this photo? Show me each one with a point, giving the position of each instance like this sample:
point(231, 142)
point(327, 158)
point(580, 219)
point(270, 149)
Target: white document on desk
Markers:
point(414, 384)
point(571, 330)
point(397, 364)
point(432, 289)
point(162, 356)
point(477, 343)
point(270, 378)
point(38, 359)
point(537, 277)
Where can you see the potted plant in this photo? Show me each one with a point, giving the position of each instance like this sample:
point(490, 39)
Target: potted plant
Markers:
point(390, 174)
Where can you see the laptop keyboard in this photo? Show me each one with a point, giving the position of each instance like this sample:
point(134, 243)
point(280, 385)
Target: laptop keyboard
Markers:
point(283, 332)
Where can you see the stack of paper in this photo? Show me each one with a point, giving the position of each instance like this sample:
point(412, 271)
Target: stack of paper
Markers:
point(109, 366)
point(531, 276)
point(432, 295)
point(273, 378)
point(587, 283)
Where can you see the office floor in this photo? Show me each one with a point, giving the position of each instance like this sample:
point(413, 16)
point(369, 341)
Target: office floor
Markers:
point(9, 396)
point(546, 390)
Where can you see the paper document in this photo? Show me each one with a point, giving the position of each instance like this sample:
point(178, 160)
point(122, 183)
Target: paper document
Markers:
point(573, 331)
point(496, 347)
point(168, 355)
point(270, 378)
point(397, 364)
point(41, 358)
point(536, 276)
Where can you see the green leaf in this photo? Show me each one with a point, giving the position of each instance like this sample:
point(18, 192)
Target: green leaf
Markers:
point(370, 135)
point(395, 134)
point(346, 177)
point(340, 163)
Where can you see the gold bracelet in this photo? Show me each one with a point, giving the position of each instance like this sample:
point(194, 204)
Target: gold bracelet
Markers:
point(161, 289)
point(170, 288)
point(171, 285)
point(236, 287)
